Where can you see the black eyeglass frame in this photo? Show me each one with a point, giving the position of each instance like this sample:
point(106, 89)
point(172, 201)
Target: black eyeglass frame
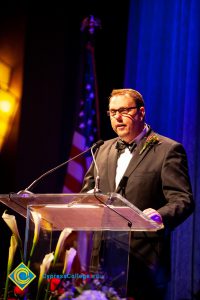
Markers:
point(121, 111)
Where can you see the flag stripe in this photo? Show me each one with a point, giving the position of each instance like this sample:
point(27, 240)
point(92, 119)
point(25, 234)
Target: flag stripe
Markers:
point(78, 141)
point(85, 133)
point(76, 170)
point(74, 186)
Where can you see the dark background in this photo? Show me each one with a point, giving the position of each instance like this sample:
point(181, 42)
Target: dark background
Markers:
point(41, 134)
point(52, 63)
point(149, 45)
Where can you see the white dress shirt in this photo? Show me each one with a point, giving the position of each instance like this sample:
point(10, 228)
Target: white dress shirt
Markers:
point(125, 158)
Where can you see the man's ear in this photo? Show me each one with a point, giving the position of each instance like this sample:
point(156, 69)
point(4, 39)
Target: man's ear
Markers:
point(142, 113)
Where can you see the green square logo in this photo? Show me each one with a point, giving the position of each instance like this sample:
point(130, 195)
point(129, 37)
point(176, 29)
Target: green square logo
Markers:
point(22, 276)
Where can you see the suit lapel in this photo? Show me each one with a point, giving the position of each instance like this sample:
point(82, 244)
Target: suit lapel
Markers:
point(137, 158)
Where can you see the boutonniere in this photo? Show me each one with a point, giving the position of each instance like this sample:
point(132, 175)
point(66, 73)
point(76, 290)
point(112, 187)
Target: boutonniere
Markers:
point(150, 141)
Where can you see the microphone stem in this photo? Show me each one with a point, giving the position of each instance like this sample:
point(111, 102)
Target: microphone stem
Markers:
point(54, 169)
point(129, 223)
point(97, 180)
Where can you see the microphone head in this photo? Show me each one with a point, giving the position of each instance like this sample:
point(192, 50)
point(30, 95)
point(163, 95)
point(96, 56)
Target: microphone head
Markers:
point(98, 144)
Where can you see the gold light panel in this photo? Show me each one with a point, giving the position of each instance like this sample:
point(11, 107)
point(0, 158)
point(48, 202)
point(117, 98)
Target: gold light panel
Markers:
point(8, 102)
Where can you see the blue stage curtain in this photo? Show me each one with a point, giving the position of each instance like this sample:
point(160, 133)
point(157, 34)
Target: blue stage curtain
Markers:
point(163, 63)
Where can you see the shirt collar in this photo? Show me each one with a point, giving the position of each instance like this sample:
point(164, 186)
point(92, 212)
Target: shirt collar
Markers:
point(140, 136)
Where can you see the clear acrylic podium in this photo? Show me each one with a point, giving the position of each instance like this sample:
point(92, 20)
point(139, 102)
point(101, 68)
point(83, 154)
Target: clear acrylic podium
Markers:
point(101, 230)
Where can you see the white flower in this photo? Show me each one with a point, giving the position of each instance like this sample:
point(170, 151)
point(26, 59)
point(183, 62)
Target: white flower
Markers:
point(44, 267)
point(12, 250)
point(64, 234)
point(37, 221)
point(12, 224)
point(92, 295)
point(66, 296)
point(69, 258)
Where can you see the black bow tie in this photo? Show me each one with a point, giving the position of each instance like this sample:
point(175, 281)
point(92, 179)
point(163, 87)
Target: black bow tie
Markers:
point(121, 145)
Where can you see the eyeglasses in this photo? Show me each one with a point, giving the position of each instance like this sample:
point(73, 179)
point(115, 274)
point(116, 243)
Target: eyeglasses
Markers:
point(122, 111)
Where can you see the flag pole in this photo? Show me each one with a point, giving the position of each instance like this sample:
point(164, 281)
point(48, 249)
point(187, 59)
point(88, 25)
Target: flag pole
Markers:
point(90, 25)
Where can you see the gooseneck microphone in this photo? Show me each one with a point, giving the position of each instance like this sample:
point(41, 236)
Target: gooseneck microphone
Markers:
point(97, 190)
point(92, 148)
point(97, 180)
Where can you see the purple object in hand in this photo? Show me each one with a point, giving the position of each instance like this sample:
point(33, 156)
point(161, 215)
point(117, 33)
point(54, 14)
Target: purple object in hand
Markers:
point(156, 218)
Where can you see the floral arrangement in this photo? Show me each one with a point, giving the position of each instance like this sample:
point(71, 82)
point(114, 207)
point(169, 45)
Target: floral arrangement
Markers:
point(150, 141)
point(89, 288)
point(53, 287)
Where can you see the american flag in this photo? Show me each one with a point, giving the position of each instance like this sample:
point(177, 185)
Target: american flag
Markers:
point(87, 129)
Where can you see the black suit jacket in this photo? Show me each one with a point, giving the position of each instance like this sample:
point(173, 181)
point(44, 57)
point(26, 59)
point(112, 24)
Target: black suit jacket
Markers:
point(157, 178)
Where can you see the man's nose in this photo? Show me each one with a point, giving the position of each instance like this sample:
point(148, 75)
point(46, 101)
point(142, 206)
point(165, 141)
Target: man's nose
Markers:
point(118, 115)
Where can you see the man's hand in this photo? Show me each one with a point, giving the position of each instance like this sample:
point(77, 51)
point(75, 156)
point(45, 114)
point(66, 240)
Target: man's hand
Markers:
point(154, 215)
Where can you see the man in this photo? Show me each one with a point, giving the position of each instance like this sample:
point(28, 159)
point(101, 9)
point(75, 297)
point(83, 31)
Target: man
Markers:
point(150, 171)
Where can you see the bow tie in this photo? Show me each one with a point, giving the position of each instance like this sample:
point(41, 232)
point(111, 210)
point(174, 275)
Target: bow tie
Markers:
point(121, 145)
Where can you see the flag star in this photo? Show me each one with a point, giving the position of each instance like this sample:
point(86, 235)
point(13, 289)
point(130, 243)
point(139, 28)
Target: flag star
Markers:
point(81, 113)
point(91, 95)
point(88, 86)
point(82, 125)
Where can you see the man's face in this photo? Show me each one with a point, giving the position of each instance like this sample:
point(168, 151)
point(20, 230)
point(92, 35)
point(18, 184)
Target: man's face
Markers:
point(127, 125)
